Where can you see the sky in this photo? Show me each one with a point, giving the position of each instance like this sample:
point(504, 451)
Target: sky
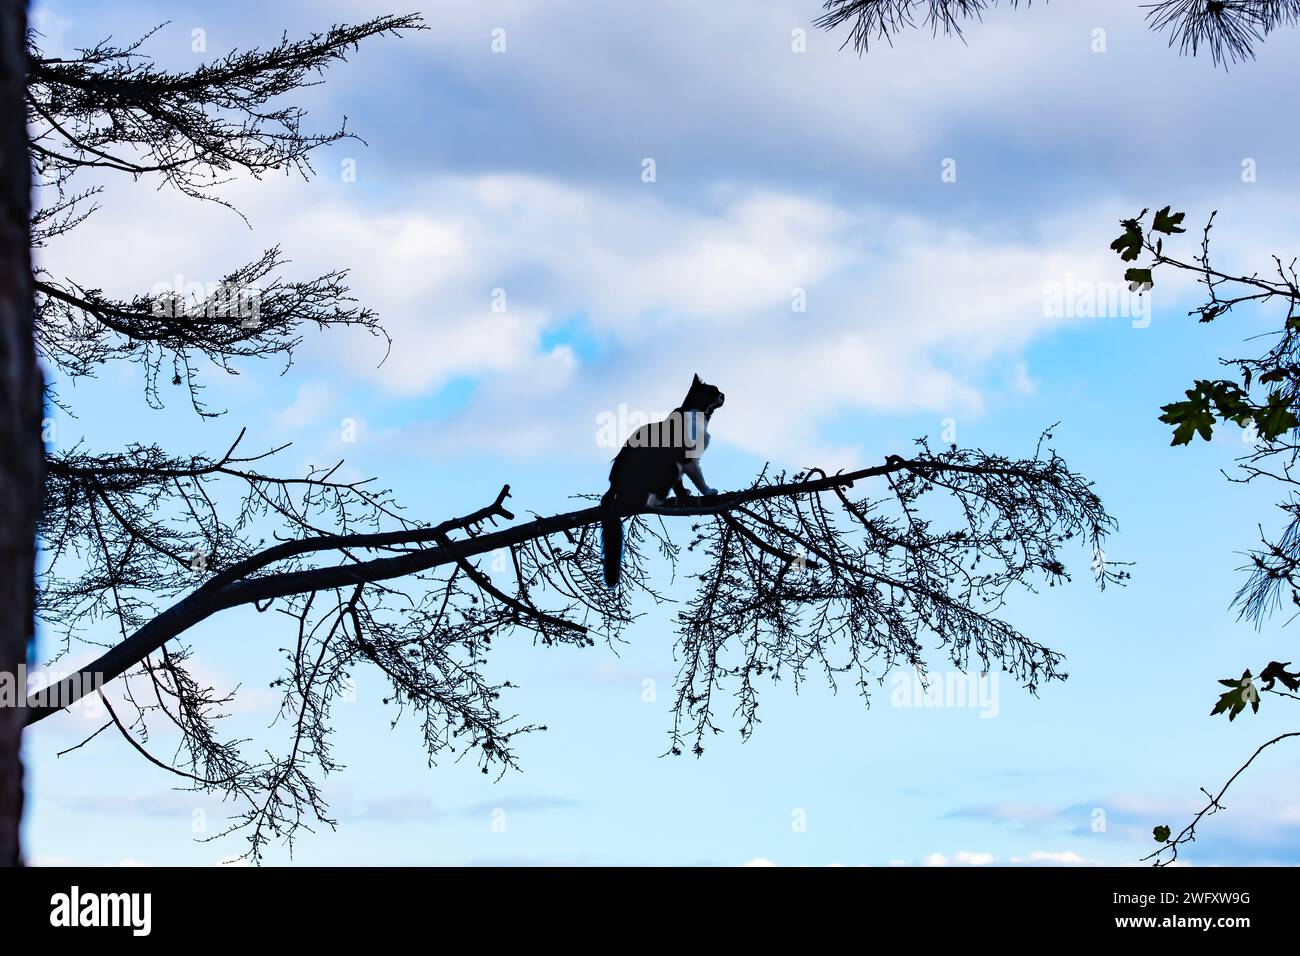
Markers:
point(926, 198)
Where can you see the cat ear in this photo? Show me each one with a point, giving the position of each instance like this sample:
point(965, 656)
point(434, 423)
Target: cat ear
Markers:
point(696, 380)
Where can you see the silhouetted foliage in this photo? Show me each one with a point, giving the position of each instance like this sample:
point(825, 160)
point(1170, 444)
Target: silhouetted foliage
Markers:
point(111, 109)
point(1228, 29)
point(1262, 399)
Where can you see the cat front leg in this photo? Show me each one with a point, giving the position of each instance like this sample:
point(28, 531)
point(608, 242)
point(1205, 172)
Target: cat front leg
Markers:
point(693, 471)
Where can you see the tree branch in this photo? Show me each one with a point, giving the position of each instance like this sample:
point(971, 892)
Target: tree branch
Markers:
point(238, 584)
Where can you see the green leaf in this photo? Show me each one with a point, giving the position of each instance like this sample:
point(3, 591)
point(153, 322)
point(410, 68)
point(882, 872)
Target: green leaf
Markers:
point(1138, 279)
point(1228, 401)
point(1189, 419)
point(1275, 418)
point(1161, 833)
point(1129, 245)
point(1242, 693)
point(1166, 223)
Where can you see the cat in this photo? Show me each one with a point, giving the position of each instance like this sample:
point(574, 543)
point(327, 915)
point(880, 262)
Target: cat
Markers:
point(652, 462)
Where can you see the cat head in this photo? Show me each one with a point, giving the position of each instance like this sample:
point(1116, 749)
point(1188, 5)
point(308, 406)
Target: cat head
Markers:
point(703, 397)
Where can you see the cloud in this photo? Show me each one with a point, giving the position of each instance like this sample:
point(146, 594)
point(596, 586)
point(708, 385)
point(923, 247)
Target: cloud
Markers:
point(559, 301)
point(559, 297)
point(589, 97)
point(1262, 828)
point(960, 858)
point(798, 294)
point(163, 803)
point(418, 808)
point(1053, 858)
point(764, 861)
point(313, 400)
point(526, 803)
point(1032, 858)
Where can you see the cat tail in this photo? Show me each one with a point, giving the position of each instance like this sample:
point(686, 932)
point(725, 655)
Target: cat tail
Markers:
point(611, 542)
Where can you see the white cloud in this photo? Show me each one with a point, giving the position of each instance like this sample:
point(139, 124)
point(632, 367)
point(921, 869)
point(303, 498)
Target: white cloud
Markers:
point(1033, 858)
point(664, 292)
point(1053, 858)
point(960, 858)
point(313, 400)
point(764, 861)
point(702, 86)
point(905, 312)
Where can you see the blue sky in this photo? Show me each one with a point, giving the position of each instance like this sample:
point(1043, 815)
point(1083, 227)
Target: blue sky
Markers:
point(775, 170)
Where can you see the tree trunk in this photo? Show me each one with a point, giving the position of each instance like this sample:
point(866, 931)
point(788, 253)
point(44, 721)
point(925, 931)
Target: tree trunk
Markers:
point(21, 453)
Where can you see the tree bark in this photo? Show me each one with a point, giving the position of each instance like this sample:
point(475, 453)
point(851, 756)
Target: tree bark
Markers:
point(21, 451)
